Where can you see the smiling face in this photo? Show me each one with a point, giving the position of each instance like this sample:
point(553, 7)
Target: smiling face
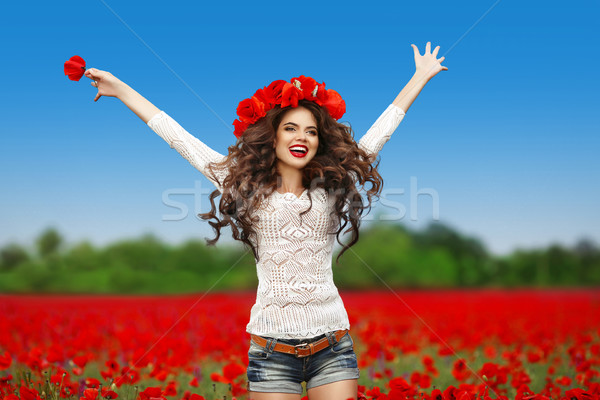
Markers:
point(297, 139)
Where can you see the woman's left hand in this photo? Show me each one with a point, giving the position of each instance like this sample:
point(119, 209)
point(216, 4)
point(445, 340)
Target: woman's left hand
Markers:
point(427, 64)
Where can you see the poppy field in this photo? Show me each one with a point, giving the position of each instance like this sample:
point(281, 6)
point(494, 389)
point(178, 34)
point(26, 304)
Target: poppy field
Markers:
point(483, 344)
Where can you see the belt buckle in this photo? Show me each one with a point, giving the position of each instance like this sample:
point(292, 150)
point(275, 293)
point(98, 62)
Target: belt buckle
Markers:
point(296, 349)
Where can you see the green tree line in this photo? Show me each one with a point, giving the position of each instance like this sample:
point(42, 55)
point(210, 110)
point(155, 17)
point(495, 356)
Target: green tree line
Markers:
point(386, 255)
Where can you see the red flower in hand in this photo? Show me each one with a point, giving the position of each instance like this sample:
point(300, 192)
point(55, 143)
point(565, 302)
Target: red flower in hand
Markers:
point(74, 68)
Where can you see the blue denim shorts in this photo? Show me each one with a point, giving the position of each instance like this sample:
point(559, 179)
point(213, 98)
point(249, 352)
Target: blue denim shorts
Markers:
point(273, 371)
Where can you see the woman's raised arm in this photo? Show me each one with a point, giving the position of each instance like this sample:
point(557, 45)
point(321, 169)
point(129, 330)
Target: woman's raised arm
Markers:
point(111, 86)
point(427, 66)
point(190, 147)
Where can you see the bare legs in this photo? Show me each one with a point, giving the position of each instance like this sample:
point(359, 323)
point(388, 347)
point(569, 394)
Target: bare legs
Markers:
point(340, 390)
point(273, 396)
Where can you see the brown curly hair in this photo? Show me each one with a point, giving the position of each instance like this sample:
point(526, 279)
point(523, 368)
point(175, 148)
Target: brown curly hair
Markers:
point(252, 175)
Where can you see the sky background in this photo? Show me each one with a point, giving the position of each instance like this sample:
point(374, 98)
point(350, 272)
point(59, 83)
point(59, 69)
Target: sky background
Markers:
point(507, 138)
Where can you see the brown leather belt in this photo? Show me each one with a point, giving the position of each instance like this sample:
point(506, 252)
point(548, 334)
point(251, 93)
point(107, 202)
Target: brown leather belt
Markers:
point(302, 349)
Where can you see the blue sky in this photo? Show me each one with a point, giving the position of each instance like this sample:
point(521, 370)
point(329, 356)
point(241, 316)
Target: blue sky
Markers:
point(506, 137)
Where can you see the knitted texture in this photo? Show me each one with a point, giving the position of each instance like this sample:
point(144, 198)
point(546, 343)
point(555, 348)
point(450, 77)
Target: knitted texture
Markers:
point(296, 296)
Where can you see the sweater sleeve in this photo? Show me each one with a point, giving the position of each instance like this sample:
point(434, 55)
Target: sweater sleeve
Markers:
point(190, 147)
point(381, 131)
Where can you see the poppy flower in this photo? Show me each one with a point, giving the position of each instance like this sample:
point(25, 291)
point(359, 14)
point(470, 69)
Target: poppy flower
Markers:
point(290, 94)
point(28, 394)
point(240, 127)
point(89, 394)
point(74, 68)
point(5, 360)
point(112, 365)
point(335, 104)
point(272, 92)
point(151, 393)
point(436, 394)
point(307, 85)
point(109, 394)
point(250, 110)
point(170, 389)
point(232, 370)
point(216, 377)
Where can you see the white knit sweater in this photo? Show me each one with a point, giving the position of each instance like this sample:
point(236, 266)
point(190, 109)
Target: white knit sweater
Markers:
point(296, 295)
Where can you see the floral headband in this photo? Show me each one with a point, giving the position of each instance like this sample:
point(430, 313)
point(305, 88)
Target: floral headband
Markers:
point(287, 94)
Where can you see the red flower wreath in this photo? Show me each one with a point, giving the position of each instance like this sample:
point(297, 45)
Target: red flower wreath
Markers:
point(286, 94)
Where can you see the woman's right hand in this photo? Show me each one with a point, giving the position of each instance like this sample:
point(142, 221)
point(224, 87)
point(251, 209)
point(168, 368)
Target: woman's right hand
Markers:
point(107, 84)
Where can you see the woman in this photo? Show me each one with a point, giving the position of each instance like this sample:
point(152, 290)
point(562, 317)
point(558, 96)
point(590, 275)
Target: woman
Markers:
point(288, 190)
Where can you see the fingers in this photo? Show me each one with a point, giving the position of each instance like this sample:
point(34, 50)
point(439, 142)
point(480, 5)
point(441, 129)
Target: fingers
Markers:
point(91, 73)
point(416, 50)
point(440, 61)
point(427, 49)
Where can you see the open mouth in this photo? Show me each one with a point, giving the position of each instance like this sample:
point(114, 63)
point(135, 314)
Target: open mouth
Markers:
point(299, 150)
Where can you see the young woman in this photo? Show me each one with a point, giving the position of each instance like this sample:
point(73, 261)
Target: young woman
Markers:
point(288, 189)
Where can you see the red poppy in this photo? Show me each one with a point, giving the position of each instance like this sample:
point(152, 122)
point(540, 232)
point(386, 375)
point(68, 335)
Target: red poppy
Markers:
point(109, 394)
point(5, 360)
point(216, 377)
point(579, 394)
point(335, 104)
point(436, 394)
point(261, 96)
point(151, 393)
point(28, 394)
point(232, 370)
point(290, 95)
point(112, 365)
point(107, 374)
point(251, 110)
point(240, 127)
point(170, 389)
point(90, 394)
point(273, 91)
point(80, 361)
point(74, 68)
point(307, 85)
point(5, 379)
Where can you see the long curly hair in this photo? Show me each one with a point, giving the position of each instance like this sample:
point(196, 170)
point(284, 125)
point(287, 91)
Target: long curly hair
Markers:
point(252, 176)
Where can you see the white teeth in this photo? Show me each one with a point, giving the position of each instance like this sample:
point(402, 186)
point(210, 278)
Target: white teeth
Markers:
point(302, 149)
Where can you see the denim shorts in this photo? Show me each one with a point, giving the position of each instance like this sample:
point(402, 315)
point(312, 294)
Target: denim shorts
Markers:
point(273, 371)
